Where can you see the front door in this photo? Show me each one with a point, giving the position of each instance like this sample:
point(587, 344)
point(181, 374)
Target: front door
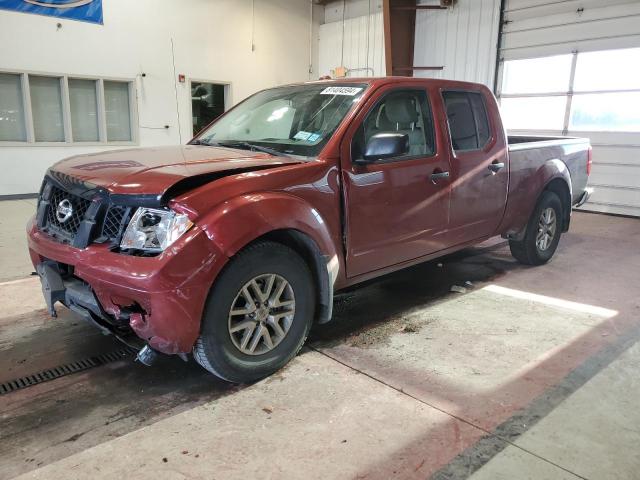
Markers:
point(479, 165)
point(396, 209)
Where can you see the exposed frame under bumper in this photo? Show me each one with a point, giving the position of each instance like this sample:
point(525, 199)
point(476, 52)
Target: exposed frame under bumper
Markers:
point(80, 299)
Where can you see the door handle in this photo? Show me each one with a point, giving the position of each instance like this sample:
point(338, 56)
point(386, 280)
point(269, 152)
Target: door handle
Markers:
point(435, 176)
point(495, 167)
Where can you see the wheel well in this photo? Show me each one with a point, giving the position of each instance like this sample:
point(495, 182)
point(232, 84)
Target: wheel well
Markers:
point(560, 188)
point(308, 249)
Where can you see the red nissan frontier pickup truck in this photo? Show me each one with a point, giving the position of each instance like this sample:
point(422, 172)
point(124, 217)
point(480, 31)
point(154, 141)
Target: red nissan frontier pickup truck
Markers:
point(231, 247)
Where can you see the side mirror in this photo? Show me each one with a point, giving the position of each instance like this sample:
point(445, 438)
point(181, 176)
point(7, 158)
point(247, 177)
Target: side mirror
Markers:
point(386, 145)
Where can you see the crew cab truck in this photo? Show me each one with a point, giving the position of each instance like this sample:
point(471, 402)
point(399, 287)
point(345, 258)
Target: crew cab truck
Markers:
point(231, 247)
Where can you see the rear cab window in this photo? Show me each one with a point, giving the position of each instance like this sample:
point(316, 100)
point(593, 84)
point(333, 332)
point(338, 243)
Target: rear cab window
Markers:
point(468, 120)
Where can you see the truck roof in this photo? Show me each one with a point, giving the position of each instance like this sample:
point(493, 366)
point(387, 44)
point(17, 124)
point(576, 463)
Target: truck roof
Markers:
point(378, 81)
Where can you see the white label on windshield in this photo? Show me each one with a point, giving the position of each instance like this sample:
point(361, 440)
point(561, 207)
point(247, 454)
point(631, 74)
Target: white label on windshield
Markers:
point(302, 135)
point(350, 91)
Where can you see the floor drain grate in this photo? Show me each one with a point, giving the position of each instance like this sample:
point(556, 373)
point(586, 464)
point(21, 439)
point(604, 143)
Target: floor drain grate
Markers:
point(64, 370)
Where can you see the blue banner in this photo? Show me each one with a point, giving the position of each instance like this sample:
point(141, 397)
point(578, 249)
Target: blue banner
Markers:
point(83, 10)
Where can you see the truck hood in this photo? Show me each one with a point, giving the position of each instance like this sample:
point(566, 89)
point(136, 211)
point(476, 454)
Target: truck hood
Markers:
point(153, 171)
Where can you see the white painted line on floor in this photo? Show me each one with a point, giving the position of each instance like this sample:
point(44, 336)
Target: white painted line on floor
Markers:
point(551, 301)
point(19, 280)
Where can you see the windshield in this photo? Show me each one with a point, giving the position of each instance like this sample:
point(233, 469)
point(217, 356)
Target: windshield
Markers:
point(297, 120)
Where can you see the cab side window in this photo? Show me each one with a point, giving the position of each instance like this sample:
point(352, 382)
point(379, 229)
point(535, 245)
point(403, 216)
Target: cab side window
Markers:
point(468, 120)
point(404, 112)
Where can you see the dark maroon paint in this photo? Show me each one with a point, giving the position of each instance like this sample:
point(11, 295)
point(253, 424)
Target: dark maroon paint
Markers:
point(370, 219)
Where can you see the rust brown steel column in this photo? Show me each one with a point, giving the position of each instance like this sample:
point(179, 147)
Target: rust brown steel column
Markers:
point(399, 33)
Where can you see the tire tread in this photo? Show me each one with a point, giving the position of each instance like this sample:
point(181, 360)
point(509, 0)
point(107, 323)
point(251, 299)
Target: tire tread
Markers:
point(525, 250)
point(199, 350)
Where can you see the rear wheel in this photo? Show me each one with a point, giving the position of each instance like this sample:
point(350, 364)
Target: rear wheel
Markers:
point(543, 232)
point(258, 314)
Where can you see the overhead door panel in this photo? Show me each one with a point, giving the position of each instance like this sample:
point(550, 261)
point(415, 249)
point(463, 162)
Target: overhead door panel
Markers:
point(536, 9)
point(623, 175)
point(572, 35)
point(535, 29)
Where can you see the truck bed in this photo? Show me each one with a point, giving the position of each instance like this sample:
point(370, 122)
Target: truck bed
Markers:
point(527, 152)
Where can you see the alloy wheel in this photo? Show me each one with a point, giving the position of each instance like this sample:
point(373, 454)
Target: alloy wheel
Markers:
point(547, 226)
point(261, 314)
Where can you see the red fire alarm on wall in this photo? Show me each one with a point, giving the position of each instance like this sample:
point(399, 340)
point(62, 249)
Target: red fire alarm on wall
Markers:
point(182, 78)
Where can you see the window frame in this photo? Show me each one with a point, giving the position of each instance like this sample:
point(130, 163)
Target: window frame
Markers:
point(492, 129)
point(99, 110)
point(372, 109)
point(568, 95)
point(66, 110)
point(26, 109)
point(65, 119)
point(227, 98)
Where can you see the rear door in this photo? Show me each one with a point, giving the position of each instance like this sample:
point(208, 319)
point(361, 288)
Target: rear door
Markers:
point(394, 210)
point(479, 165)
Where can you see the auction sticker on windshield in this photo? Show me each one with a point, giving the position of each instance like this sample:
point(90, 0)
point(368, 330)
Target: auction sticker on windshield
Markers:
point(302, 135)
point(350, 91)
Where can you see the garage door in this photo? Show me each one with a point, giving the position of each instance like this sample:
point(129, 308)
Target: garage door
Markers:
point(573, 68)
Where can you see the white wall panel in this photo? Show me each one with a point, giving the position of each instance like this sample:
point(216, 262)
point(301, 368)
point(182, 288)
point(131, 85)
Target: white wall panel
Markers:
point(461, 39)
point(352, 8)
point(203, 39)
point(364, 59)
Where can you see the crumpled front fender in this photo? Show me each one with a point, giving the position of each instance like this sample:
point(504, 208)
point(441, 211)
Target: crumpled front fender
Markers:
point(237, 222)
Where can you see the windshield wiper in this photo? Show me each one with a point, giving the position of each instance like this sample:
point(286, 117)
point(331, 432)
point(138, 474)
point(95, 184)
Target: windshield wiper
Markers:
point(201, 142)
point(239, 144)
point(251, 146)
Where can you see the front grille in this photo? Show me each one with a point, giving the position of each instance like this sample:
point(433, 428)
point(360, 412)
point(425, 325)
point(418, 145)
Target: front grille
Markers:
point(66, 228)
point(115, 222)
point(79, 214)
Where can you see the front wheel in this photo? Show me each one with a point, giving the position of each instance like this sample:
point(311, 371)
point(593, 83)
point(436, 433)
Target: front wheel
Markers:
point(543, 232)
point(258, 314)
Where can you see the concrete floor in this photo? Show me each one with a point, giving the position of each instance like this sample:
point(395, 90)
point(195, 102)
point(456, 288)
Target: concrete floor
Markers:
point(531, 374)
point(13, 243)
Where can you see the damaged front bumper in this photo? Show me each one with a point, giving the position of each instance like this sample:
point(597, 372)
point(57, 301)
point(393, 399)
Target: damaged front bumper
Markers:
point(160, 299)
point(77, 296)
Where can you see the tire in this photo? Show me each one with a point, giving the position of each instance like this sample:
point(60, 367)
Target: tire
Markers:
point(224, 352)
point(529, 250)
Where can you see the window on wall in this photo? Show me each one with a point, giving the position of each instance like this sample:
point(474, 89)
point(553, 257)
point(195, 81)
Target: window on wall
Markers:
point(46, 109)
point(12, 121)
point(207, 103)
point(64, 110)
point(83, 101)
point(118, 111)
point(590, 91)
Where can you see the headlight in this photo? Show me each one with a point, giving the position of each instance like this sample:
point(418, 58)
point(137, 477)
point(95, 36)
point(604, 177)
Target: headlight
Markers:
point(154, 230)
